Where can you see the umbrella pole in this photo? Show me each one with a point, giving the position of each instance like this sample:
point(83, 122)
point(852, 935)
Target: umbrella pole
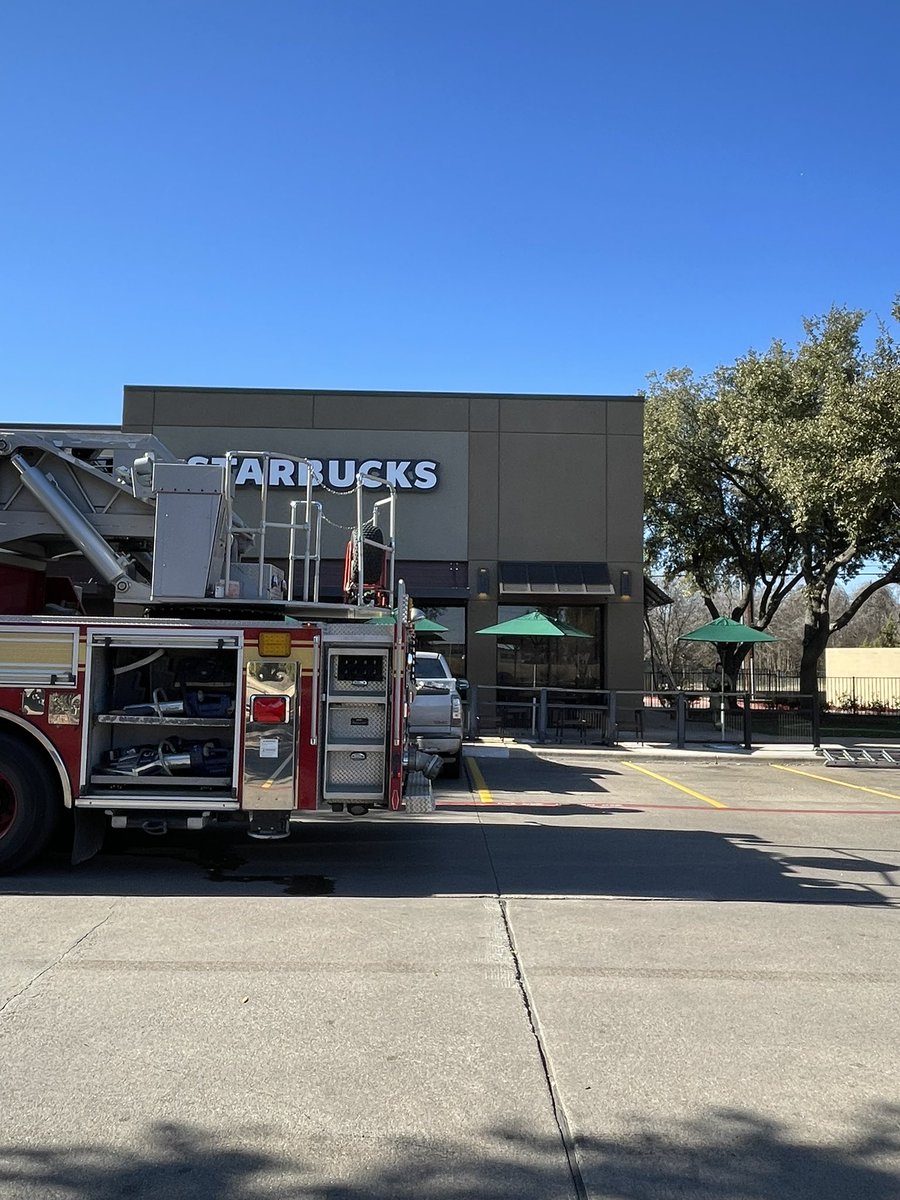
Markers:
point(722, 709)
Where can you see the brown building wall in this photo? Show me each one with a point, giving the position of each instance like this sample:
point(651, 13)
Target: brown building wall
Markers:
point(522, 478)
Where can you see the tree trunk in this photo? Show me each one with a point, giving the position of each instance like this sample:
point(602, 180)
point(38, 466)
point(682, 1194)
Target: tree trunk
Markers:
point(816, 631)
point(733, 655)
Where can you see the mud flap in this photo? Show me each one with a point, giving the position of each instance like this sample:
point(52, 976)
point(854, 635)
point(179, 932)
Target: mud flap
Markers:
point(89, 832)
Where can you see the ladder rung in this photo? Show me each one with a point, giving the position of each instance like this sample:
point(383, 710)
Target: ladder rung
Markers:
point(861, 758)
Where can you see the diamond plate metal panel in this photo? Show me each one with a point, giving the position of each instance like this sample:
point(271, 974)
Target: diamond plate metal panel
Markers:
point(357, 723)
point(361, 632)
point(347, 769)
point(419, 795)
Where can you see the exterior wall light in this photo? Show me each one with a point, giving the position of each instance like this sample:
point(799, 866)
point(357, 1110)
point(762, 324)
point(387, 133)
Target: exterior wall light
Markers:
point(625, 585)
point(484, 583)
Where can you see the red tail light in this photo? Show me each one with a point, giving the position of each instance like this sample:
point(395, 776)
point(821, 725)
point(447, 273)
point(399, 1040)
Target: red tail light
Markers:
point(269, 710)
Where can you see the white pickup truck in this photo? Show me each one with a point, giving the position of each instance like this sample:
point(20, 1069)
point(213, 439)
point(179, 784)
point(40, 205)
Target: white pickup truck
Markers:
point(436, 713)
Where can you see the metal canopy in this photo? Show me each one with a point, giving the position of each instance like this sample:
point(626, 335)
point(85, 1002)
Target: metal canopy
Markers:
point(555, 579)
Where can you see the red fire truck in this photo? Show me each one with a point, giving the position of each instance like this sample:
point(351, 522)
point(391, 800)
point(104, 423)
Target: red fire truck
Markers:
point(157, 670)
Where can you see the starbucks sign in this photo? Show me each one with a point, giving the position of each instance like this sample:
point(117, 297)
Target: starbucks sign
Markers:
point(337, 474)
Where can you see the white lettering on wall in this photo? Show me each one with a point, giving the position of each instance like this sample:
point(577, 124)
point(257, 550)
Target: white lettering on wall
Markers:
point(338, 474)
point(341, 473)
point(250, 471)
point(426, 475)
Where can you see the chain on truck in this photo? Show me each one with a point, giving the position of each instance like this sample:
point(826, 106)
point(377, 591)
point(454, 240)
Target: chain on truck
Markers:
point(201, 683)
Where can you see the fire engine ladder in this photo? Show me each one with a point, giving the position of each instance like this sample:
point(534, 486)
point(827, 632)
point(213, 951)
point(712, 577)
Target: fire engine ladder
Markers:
point(861, 758)
point(304, 526)
point(86, 491)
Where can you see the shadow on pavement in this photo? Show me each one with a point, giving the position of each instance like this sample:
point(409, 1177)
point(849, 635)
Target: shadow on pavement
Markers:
point(726, 1155)
point(533, 773)
point(450, 855)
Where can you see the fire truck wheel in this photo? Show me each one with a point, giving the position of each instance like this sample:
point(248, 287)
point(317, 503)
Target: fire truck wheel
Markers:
point(29, 804)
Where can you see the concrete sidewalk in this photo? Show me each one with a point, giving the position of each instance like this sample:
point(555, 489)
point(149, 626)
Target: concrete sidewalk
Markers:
point(496, 747)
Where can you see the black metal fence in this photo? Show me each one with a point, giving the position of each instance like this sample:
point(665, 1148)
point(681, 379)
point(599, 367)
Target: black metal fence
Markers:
point(698, 678)
point(839, 693)
point(544, 714)
point(690, 715)
point(743, 719)
point(608, 718)
point(737, 718)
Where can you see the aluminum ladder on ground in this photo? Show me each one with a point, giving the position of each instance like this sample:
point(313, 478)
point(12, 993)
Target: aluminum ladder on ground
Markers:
point(861, 758)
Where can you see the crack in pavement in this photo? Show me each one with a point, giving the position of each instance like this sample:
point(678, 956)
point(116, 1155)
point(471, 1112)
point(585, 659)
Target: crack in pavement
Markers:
point(59, 958)
point(556, 1103)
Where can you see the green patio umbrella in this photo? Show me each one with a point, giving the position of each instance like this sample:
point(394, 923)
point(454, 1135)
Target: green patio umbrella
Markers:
point(533, 625)
point(422, 624)
point(725, 631)
point(426, 625)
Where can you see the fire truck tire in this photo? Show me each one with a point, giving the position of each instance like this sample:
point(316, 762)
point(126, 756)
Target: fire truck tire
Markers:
point(29, 803)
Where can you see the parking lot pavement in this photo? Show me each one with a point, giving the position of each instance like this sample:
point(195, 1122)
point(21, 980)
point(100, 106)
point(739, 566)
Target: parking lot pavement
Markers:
point(575, 979)
point(715, 995)
point(727, 832)
point(710, 1051)
point(554, 777)
point(188, 1047)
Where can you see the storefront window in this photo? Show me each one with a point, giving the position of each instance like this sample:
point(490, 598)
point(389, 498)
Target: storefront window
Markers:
point(451, 644)
point(566, 662)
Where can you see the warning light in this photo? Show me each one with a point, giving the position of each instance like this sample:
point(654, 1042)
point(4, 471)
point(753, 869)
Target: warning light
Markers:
point(274, 643)
point(269, 710)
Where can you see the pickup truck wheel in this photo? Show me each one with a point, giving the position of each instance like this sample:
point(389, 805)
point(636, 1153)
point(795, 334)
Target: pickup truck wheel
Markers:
point(453, 766)
point(29, 805)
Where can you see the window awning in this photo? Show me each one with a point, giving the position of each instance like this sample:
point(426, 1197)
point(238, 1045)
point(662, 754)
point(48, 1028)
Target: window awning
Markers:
point(555, 579)
point(654, 596)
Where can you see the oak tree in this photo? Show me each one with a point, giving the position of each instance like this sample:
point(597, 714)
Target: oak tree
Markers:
point(780, 471)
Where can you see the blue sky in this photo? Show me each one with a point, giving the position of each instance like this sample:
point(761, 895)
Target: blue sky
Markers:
point(485, 195)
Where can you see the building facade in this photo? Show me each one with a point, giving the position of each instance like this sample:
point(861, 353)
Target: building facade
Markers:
point(505, 503)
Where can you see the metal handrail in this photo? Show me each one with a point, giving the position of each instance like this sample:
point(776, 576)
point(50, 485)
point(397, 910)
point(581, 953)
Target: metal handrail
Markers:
point(542, 708)
point(311, 526)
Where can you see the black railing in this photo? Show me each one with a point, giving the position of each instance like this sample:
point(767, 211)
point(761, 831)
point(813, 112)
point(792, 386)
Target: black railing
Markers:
point(696, 679)
point(608, 718)
point(586, 716)
point(689, 717)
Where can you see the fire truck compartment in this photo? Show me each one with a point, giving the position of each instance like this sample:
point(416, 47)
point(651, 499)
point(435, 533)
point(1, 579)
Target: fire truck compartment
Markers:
point(164, 712)
point(356, 725)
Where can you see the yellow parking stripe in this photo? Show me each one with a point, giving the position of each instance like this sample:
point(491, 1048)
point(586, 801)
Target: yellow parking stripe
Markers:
point(857, 787)
point(476, 779)
point(679, 786)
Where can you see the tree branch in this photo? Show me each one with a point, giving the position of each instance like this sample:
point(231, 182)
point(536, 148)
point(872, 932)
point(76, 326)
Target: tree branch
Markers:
point(891, 576)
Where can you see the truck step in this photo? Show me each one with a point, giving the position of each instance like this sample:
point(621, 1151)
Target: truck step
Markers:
point(419, 794)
